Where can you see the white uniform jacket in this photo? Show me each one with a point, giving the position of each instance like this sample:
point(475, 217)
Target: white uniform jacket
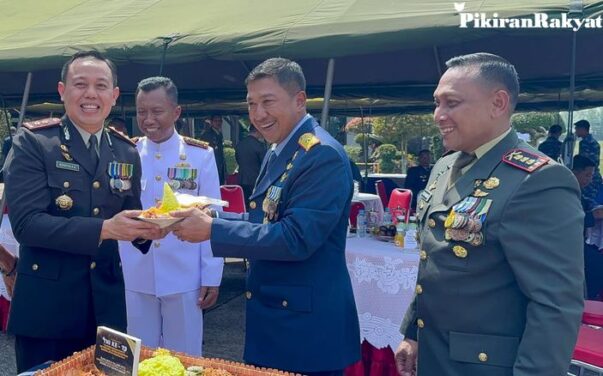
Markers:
point(173, 266)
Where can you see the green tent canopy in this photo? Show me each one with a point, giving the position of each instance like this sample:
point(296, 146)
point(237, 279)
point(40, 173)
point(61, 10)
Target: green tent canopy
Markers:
point(388, 54)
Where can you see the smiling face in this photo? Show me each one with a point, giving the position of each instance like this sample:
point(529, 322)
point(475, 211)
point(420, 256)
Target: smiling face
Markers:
point(88, 93)
point(469, 112)
point(156, 114)
point(273, 110)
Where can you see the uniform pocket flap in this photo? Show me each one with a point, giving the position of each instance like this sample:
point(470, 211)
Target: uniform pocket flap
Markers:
point(483, 349)
point(293, 298)
point(46, 270)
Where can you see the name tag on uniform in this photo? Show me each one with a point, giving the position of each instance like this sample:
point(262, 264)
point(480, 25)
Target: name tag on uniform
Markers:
point(68, 166)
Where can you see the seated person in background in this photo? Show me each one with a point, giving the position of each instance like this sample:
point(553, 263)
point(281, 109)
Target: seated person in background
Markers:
point(416, 177)
point(552, 146)
point(583, 168)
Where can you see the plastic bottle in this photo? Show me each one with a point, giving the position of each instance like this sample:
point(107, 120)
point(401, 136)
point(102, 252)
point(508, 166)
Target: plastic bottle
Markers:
point(361, 224)
point(410, 240)
point(400, 234)
point(387, 217)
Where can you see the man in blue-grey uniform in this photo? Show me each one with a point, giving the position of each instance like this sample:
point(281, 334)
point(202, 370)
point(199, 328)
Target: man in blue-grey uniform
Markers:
point(69, 185)
point(167, 289)
point(301, 315)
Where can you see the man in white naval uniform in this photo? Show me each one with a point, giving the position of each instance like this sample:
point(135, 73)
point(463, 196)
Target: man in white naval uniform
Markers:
point(167, 289)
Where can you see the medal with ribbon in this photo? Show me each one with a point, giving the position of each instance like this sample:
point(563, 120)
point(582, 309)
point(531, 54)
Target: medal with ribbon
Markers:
point(120, 174)
point(182, 177)
point(465, 220)
point(273, 195)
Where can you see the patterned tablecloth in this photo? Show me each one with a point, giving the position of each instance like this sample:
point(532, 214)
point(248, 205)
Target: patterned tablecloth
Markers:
point(383, 278)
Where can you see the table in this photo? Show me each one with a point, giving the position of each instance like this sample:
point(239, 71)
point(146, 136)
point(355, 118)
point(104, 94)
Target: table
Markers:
point(383, 279)
point(372, 203)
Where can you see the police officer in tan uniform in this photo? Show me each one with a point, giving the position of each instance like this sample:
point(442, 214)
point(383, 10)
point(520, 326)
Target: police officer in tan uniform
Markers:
point(499, 290)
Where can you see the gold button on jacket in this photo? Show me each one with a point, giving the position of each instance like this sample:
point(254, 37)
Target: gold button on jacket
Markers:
point(483, 357)
point(252, 205)
point(248, 294)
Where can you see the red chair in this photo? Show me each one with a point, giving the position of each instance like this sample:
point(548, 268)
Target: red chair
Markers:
point(380, 189)
point(235, 197)
point(593, 313)
point(232, 179)
point(355, 208)
point(399, 204)
point(588, 353)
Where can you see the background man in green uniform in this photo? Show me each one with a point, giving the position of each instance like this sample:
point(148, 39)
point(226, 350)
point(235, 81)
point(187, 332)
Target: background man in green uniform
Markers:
point(499, 290)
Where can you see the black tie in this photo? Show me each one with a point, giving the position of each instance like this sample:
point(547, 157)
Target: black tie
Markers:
point(462, 161)
point(92, 148)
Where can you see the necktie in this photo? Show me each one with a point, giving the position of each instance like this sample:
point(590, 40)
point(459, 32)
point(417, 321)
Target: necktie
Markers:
point(92, 149)
point(462, 161)
point(271, 157)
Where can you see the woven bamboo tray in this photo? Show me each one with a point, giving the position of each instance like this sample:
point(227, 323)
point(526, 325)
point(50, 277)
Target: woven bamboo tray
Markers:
point(85, 358)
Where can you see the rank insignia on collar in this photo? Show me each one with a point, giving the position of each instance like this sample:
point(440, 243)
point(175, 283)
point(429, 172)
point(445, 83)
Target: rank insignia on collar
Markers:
point(308, 140)
point(525, 160)
point(492, 183)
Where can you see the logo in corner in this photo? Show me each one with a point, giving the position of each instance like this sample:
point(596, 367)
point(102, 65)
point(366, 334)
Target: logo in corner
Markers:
point(459, 7)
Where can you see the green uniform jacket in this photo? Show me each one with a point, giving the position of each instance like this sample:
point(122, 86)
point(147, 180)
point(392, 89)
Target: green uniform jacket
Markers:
point(511, 305)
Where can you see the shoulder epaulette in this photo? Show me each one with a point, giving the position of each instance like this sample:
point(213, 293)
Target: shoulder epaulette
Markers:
point(195, 142)
point(121, 136)
point(42, 124)
point(135, 139)
point(308, 140)
point(525, 160)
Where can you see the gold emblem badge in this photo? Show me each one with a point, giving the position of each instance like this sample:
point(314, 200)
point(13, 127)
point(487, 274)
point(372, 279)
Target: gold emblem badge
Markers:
point(459, 251)
point(307, 140)
point(491, 183)
point(67, 156)
point(64, 202)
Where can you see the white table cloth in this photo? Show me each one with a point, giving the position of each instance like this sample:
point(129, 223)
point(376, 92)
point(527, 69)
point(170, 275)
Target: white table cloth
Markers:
point(372, 203)
point(383, 279)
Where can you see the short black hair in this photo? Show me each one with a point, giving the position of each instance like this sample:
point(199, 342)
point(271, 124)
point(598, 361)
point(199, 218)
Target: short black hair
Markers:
point(492, 68)
point(424, 151)
point(92, 54)
point(286, 72)
point(154, 83)
point(555, 128)
point(581, 162)
point(583, 124)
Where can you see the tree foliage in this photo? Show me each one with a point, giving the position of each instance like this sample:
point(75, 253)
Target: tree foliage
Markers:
point(398, 130)
point(536, 124)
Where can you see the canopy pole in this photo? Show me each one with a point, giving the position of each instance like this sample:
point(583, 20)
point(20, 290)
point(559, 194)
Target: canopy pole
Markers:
point(327, 94)
point(575, 11)
point(436, 55)
point(166, 42)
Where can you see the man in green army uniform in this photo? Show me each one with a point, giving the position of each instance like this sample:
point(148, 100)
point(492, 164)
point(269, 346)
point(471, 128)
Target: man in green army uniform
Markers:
point(499, 290)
